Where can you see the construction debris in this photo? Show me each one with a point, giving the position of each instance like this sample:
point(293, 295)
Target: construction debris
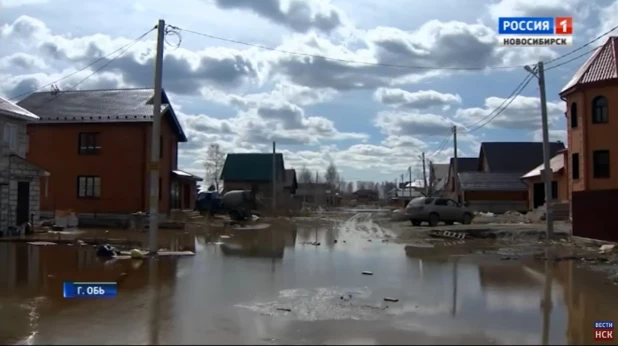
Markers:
point(447, 234)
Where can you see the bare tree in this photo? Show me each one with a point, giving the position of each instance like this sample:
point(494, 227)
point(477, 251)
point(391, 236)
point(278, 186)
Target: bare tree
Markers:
point(215, 159)
point(331, 176)
point(341, 184)
point(305, 176)
point(360, 185)
point(350, 187)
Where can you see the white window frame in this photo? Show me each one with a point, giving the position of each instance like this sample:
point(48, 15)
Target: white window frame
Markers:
point(9, 136)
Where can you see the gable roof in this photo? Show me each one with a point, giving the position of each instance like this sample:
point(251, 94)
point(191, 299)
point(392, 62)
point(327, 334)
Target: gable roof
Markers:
point(440, 170)
point(556, 163)
point(251, 167)
point(100, 106)
point(9, 109)
point(602, 65)
point(290, 178)
point(482, 181)
point(515, 157)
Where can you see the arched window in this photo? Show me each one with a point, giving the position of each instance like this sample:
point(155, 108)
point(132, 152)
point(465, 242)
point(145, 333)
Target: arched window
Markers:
point(573, 115)
point(599, 110)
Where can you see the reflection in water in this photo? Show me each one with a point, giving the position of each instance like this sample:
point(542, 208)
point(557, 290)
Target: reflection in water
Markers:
point(269, 243)
point(155, 311)
point(231, 293)
point(546, 302)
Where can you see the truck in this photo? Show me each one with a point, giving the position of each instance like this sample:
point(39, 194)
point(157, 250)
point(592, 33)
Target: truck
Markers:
point(238, 204)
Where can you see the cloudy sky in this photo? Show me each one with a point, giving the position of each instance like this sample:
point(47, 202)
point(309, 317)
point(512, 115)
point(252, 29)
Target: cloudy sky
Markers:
point(372, 119)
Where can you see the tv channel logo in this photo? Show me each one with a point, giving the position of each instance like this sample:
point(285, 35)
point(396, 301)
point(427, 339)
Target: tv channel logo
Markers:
point(535, 25)
point(535, 31)
point(603, 331)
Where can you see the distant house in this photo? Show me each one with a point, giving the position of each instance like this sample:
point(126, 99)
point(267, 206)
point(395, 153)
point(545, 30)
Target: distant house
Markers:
point(20, 180)
point(366, 195)
point(96, 145)
point(464, 164)
point(438, 177)
point(291, 184)
point(317, 193)
point(254, 171)
point(496, 184)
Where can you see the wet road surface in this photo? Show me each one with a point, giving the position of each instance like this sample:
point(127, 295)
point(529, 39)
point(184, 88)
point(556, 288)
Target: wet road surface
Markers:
point(274, 287)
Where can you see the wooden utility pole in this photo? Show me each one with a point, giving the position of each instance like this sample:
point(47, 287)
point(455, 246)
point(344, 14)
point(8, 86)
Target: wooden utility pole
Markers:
point(547, 173)
point(410, 185)
point(274, 177)
point(315, 189)
point(424, 174)
point(155, 142)
point(455, 165)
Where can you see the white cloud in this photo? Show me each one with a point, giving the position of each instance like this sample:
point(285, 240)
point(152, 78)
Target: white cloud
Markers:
point(17, 3)
point(298, 15)
point(421, 100)
point(607, 18)
point(554, 136)
point(523, 113)
point(413, 123)
point(22, 61)
point(281, 92)
point(535, 8)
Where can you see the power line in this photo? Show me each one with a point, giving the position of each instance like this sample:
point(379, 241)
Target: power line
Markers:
point(121, 53)
point(411, 67)
point(506, 102)
point(442, 145)
point(502, 104)
point(434, 68)
point(13, 98)
point(583, 46)
point(501, 110)
point(573, 59)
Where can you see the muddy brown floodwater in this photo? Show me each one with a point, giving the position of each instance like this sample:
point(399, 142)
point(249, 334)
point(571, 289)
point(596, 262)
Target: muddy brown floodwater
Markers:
point(274, 287)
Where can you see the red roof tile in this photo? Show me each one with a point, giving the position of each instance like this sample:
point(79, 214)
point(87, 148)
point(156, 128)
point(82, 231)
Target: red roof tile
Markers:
point(601, 66)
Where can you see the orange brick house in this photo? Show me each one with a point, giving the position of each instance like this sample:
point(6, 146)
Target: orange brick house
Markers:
point(591, 96)
point(96, 145)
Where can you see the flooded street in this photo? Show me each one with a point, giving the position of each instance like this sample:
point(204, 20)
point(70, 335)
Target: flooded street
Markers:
point(278, 287)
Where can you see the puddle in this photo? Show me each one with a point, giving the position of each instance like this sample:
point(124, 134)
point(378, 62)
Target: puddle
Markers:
point(239, 291)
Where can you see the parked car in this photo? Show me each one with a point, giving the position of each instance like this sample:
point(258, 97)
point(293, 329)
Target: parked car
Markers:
point(433, 210)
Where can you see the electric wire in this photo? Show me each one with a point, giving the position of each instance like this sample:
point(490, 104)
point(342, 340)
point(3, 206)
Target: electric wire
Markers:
point(139, 38)
point(60, 92)
point(412, 67)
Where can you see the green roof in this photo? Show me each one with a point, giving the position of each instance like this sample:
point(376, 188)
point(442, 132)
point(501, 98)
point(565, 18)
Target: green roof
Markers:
point(251, 167)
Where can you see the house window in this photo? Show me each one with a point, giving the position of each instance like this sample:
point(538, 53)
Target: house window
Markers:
point(599, 110)
point(88, 186)
point(89, 143)
point(554, 190)
point(600, 159)
point(573, 115)
point(575, 165)
point(9, 137)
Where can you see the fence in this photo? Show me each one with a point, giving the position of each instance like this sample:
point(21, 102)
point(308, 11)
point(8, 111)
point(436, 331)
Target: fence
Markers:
point(594, 214)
